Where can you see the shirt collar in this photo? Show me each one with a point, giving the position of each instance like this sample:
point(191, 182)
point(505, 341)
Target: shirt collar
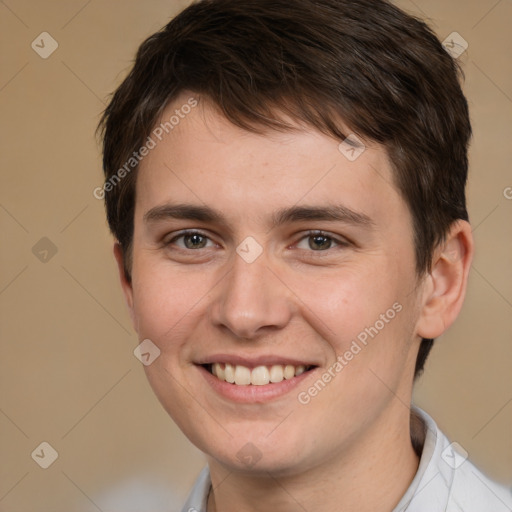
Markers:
point(443, 478)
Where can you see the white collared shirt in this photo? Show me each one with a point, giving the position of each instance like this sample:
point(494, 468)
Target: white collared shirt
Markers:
point(445, 481)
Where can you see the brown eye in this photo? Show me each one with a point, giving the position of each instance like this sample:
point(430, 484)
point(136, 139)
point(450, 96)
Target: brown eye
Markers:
point(195, 241)
point(190, 240)
point(319, 242)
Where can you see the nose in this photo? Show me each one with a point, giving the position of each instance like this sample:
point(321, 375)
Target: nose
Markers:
point(252, 300)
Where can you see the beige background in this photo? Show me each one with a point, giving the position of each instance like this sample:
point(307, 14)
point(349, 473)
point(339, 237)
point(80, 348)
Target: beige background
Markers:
point(67, 371)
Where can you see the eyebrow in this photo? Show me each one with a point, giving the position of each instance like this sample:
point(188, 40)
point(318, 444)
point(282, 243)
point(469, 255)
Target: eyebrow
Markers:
point(337, 213)
point(183, 211)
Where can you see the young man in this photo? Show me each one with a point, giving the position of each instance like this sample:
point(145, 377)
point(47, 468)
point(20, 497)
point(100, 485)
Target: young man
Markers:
point(285, 182)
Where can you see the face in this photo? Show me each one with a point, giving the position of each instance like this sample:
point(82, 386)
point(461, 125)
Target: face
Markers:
point(275, 261)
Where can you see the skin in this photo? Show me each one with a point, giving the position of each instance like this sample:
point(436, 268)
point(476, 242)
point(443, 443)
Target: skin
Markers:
point(349, 448)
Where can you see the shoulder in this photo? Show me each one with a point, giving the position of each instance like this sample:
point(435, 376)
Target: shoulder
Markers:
point(472, 491)
point(466, 488)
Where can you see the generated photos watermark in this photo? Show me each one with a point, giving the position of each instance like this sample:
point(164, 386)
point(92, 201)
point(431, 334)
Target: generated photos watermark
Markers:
point(357, 345)
point(156, 136)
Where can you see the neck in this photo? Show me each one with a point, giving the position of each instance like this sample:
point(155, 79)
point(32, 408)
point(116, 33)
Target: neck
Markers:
point(373, 474)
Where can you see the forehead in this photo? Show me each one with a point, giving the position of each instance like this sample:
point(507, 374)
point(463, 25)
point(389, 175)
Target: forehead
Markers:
point(200, 157)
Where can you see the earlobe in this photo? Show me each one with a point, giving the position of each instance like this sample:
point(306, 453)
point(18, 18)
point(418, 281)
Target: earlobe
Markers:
point(126, 284)
point(445, 286)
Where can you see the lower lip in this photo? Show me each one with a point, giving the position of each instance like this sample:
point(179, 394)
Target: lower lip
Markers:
point(251, 393)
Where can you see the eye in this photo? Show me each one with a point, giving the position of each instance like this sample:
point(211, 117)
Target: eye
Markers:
point(190, 240)
point(318, 241)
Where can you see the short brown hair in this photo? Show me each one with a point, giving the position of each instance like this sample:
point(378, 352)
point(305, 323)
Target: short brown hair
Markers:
point(366, 62)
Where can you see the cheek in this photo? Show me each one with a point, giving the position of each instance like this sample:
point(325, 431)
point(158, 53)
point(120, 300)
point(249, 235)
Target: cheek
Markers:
point(342, 304)
point(167, 302)
point(365, 321)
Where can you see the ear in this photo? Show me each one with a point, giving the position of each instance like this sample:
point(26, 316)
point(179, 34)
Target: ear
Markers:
point(126, 284)
point(445, 287)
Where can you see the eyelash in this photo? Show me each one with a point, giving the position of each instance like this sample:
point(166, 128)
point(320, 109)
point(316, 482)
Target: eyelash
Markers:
point(309, 234)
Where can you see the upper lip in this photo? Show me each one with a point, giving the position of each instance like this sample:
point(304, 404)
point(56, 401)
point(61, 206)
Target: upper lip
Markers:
point(253, 362)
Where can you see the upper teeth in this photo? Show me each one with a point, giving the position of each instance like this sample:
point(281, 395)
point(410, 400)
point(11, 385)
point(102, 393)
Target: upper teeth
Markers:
point(259, 376)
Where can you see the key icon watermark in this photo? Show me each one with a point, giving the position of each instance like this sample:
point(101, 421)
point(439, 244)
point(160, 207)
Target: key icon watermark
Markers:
point(249, 250)
point(45, 455)
point(146, 352)
point(454, 455)
point(455, 45)
point(44, 250)
point(352, 147)
point(249, 454)
point(44, 45)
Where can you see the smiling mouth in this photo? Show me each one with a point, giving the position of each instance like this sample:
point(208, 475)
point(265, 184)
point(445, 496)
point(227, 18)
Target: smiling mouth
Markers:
point(259, 376)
